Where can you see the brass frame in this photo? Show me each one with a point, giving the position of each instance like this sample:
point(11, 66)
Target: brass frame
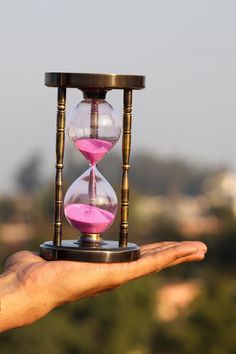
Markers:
point(92, 85)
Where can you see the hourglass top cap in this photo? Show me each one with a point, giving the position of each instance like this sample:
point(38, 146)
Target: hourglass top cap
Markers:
point(94, 81)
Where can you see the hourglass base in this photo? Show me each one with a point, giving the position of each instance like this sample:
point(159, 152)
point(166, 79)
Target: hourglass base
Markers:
point(106, 252)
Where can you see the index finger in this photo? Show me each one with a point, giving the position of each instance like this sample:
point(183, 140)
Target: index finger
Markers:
point(158, 260)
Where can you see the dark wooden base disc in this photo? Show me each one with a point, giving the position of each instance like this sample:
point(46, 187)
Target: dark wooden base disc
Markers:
point(107, 252)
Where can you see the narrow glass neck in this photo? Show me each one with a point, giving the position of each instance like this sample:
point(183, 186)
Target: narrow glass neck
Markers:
point(92, 189)
point(94, 94)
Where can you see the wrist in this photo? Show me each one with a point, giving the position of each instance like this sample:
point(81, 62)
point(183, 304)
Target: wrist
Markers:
point(7, 293)
point(17, 307)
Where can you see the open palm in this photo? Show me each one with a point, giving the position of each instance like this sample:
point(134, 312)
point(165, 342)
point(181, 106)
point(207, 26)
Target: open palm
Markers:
point(40, 286)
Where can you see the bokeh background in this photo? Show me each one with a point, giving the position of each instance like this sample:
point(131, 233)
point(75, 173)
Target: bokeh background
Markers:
point(182, 168)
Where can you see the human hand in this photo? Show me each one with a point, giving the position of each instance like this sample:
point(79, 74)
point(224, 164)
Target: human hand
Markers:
point(30, 287)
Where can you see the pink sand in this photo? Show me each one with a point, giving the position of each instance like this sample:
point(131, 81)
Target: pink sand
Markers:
point(93, 149)
point(88, 218)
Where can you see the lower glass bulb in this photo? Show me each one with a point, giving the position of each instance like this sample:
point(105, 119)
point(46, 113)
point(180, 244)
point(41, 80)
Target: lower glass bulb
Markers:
point(90, 203)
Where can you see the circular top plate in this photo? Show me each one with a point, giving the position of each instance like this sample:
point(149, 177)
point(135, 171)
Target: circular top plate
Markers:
point(95, 81)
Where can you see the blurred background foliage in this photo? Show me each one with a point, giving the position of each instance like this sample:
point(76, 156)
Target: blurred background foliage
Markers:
point(189, 309)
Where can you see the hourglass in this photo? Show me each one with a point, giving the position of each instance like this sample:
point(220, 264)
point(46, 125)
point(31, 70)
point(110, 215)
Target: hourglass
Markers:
point(90, 204)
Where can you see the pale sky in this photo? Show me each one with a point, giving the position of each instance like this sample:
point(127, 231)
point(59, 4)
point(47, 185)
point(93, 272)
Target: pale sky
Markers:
point(186, 49)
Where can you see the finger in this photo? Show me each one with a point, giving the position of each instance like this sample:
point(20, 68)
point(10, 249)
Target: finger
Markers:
point(155, 249)
point(199, 256)
point(201, 251)
point(201, 246)
point(158, 260)
point(155, 246)
point(159, 245)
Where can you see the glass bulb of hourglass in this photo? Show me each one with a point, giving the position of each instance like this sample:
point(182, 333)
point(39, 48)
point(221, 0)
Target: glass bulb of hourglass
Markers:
point(90, 203)
point(94, 127)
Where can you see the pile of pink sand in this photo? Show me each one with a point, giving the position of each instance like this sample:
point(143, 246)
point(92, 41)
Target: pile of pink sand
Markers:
point(88, 218)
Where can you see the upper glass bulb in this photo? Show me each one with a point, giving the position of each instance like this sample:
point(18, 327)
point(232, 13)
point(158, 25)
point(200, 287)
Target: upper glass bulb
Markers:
point(94, 127)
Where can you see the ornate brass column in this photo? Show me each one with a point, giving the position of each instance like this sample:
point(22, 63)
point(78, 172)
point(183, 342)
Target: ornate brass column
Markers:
point(60, 146)
point(126, 146)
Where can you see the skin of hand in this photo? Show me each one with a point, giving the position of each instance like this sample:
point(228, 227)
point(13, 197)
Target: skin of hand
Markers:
point(30, 287)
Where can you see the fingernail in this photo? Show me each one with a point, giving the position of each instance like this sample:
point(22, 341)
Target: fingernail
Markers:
point(203, 255)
